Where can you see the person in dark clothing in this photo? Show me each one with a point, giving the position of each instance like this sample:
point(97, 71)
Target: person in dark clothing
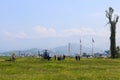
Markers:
point(64, 57)
point(55, 57)
point(77, 57)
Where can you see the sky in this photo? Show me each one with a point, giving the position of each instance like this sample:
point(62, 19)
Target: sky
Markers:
point(26, 24)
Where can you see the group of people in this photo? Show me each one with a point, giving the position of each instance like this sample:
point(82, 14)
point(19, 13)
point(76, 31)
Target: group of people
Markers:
point(47, 56)
point(59, 57)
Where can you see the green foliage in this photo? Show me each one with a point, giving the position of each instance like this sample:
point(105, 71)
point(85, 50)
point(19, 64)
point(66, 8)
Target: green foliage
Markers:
point(70, 69)
point(117, 52)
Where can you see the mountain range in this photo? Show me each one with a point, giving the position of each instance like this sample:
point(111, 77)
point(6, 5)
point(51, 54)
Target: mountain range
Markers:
point(74, 49)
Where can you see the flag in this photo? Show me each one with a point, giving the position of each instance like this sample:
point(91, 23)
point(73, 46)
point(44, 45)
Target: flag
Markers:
point(93, 40)
point(80, 41)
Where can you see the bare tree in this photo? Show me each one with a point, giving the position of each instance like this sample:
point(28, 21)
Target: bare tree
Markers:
point(112, 23)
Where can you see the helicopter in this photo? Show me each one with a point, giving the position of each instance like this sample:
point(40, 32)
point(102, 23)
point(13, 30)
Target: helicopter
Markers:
point(45, 54)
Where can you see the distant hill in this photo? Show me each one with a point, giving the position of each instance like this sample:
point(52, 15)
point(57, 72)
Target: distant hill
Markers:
point(21, 52)
point(75, 49)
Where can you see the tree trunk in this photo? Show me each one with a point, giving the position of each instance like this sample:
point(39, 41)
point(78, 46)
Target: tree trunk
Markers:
point(113, 31)
point(113, 40)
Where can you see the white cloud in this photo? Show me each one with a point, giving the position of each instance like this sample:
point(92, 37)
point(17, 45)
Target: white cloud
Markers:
point(21, 35)
point(40, 31)
point(78, 32)
point(51, 32)
point(83, 31)
point(8, 34)
point(45, 32)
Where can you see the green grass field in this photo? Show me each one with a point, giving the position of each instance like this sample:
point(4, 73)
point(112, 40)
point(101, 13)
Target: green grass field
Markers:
point(38, 69)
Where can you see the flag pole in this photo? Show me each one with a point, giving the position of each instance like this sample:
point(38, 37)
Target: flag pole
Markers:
point(80, 47)
point(92, 46)
point(69, 48)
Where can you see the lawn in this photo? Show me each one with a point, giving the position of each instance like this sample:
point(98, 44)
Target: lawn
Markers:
point(31, 68)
